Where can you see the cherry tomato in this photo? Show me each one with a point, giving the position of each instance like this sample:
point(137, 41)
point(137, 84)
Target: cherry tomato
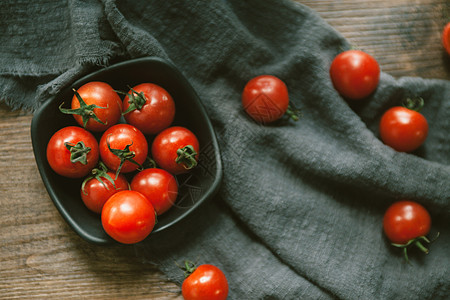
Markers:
point(406, 223)
point(95, 106)
point(406, 220)
point(128, 217)
point(355, 74)
point(446, 38)
point(159, 186)
point(99, 187)
point(123, 148)
point(149, 108)
point(72, 152)
point(206, 282)
point(265, 99)
point(175, 150)
point(403, 129)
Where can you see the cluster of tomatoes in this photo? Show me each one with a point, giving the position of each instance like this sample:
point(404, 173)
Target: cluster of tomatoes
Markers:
point(128, 208)
point(355, 76)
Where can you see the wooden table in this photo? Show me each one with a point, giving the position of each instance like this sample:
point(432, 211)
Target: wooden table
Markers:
point(42, 258)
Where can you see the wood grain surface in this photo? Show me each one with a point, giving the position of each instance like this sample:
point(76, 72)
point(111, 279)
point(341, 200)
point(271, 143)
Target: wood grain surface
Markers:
point(42, 258)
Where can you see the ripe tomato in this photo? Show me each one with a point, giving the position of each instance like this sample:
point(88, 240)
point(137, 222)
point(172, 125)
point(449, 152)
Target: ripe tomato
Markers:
point(99, 187)
point(72, 152)
point(355, 74)
point(128, 217)
point(149, 108)
point(95, 106)
point(175, 150)
point(446, 38)
point(265, 99)
point(123, 148)
point(403, 129)
point(206, 282)
point(159, 186)
point(407, 222)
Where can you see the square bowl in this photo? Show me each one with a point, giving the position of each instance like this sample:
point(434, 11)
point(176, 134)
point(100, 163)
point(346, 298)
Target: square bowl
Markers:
point(195, 187)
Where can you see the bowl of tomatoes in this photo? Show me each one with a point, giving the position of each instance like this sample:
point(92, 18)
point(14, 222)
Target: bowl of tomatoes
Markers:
point(119, 130)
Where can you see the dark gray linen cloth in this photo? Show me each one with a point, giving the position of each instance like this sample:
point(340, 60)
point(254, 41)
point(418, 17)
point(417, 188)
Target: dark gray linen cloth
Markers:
point(299, 212)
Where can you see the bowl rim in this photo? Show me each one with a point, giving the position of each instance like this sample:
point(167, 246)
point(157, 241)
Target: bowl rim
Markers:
point(40, 157)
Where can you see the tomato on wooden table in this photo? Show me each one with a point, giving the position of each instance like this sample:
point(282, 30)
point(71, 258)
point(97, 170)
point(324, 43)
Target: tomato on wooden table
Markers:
point(265, 99)
point(123, 148)
point(100, 186)
point(72, 152)
point(149, 107)
point(159, 186)
point(205, 282)
point(95, 106)
point(446, 38)
point(175, 150)
point(355, 74)
point(403, 129)
point(405, 223)
point(128, 217)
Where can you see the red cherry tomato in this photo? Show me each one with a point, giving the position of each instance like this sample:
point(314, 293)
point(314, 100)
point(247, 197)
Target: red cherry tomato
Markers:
point(149, 108)
point(207, 282)
point(95, 106)
point(123, 148)
point(403, 129)
point(265, 98)
point(355, 74)
point(405, 221)
point(97, 189)
point(175, 150)
point(128, 217)
point(446, 38)
point(159, 186)
point(72, 152)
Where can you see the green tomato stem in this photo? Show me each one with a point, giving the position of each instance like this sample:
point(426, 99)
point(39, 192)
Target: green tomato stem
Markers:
point(85, 111)
point(186, 157)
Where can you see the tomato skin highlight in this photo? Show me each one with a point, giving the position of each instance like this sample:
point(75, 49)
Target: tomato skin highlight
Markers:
point(406, 220)
point(59, 157)
point(156, 114)
point(207, 282)
point(95, 194)
point(355, 74)
point(101, 94)
point(166, 144)
point(118, 137)
point(446, 38)
point(403, 129)
point(265, 98)
point(128, 217)
point(158, 186)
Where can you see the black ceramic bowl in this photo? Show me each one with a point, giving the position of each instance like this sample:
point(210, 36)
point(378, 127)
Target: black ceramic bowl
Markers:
point(195, 187)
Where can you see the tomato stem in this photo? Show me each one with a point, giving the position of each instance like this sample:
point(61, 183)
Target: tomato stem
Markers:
point(292, 112)
point(188, 268)
point(417, 242)
point(186, 157)
point(124, 155)
point(149, 163)
point(415, 103)
point(78, 152)
point(421, 247)
point(98, 173)
point(85, 111)
point(135, 99)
